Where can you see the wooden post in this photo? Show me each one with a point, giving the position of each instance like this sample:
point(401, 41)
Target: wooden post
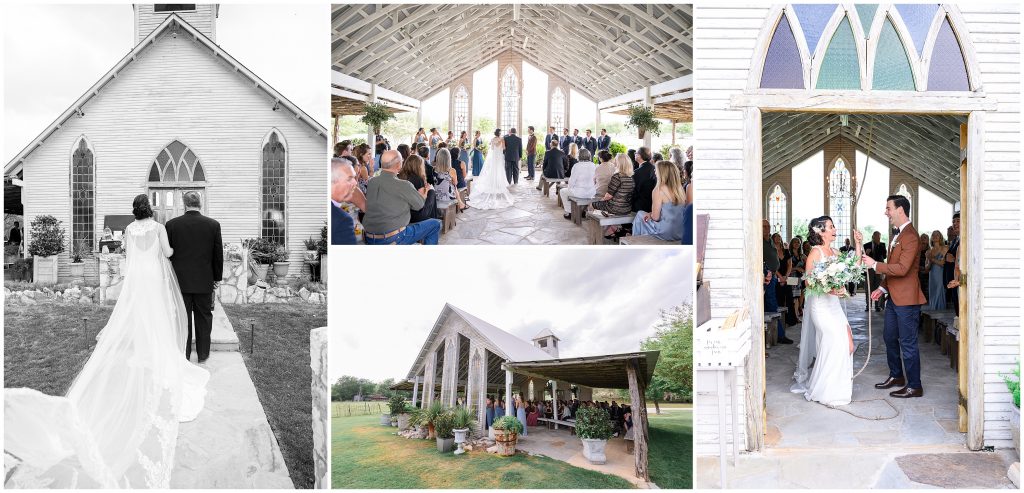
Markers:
point(554, 401)
point(971, 290)
point(370, 136)
point(639, 405)
point(415, 389)
point(753, 292)
point(673, 134)
point(334, 132)
point(648, 102)
point(508, 389)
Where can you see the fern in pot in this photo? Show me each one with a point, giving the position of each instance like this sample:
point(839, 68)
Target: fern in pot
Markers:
point(444, 429)
point(1013, 385)
point(594, 427)
point(506, 434)
point(430, 415)
point(399, 412)
point(642, 119)
point(463, 422)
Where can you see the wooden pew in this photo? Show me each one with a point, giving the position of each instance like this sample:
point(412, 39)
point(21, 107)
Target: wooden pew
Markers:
point(599, 221)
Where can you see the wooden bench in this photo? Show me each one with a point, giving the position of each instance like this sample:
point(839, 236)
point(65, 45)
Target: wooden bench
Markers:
point(448, 223)
point(645, 240)
point(552, 422)
point(600, 221)
point(544, 184)
point(771, 328)
point(578, 207)
point(928, 318)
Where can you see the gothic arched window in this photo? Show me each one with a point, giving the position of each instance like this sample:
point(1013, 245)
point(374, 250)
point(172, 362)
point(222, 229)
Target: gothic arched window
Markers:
point(904, 191)
point(777, 211)
point(273, 181)
point(839, 199)
point(83, 197)
point(461, 106)
point(176, 163)
point(558, 109)
point(509, 99)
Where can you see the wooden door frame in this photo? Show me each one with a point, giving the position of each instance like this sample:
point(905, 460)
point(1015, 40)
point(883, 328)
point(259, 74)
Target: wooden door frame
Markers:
point(753, 103)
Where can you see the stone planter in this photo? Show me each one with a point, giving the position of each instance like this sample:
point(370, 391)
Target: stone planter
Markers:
point(44, 269)
point(281, 269)
point(385, 420)
point(77, 270)
point(1015, 428)
point(445, 444)
point(403, 422)
point(593, 450)
point(261, 271)
point(506, 442)
point(490, 433)
point(461, 436)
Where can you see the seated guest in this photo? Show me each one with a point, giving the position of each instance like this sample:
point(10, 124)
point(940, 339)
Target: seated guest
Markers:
point(554, 163)
point(617, 201)
point(573, 158)
point(657, 157)
point(378, 150)
point(413, 172)
point(632, 157)
point(643, 180)
point(390, 202)
point(582, 183)
point(687, 177)
point(531, 414)
point(343, 148)
point(603, 173)
point(423, 151)
point(688, 225)
point(460, 168)
point(676, 155)
point(343, 183)
point(404, 150)
point(446, 180)
point(665, 221)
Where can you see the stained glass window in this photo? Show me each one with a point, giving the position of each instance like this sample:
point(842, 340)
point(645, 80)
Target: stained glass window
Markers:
point(783, 68)
point(83, 197)
point(461, 110)
point(902, 190)
point(840, 191)
point(272, 194)
point(813, 19)
point(892, 67)
point(840, 68)
point(918, 19)
point(777, 211)
point(509, 99)
point(558, 109)
point(866, 12)
point(176, 163)
point(947, 71)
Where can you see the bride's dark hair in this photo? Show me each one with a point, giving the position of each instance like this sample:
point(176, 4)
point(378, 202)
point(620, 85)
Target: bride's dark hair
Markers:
point(140, 207)
point(497, 132)
point(815, 228)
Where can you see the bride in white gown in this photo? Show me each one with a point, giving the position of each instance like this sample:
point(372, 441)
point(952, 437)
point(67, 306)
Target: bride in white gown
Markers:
point(826, 336)
point(117, 427)
point(490, 189)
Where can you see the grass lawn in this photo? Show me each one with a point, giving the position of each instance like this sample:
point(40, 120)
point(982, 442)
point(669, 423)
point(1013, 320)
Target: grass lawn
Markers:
point(671, 450)
point(279, 368)
point(365, 454)
point(45, 346)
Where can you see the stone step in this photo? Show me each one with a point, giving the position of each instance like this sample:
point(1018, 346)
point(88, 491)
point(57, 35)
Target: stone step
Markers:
point(223, 337)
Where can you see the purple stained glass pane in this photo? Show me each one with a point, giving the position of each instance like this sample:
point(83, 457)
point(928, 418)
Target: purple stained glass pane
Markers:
point(783, 68)
point(918, 19)
point(947, 71)
point(813, 18)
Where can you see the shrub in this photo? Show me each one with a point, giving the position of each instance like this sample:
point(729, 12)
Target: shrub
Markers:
point(321, 246)
point(431, 413)
point(593, 423)
point(617, 148)
point(23, 268)
point(47, 236)
point(1014, 385)
point(508, 423)
point(462, 418)
point(262, 250)
point(396, 404)
point(444, 424)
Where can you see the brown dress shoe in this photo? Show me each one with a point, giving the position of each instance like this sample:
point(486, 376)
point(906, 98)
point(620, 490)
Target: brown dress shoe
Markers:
point(890, 383)
point(907, 392)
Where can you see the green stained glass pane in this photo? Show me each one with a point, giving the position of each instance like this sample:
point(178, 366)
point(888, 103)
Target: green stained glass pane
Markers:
point(866, 12)
point(840, 69)
point(892, 67)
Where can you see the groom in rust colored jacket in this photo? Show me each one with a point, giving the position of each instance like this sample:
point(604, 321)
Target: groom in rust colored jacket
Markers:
point(903, 308)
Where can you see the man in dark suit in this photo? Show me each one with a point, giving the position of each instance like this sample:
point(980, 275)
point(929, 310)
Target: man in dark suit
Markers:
point(551, 135)
point(577, 139)
point(604, 142)
point(564, 142)
point(644, 181)
point(198, 262)
point(531, 153)
point(513, 153)
point(343, 182)
point(590, 143)
point(877, 251)
point(555, 163)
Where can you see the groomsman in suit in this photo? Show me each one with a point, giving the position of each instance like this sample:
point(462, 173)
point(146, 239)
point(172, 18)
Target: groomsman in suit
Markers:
point(590, 143)
point(564, 142)
point(577, 139)
point(513, 153)
point(604, 142)
point(552, 135)
point(531, 153)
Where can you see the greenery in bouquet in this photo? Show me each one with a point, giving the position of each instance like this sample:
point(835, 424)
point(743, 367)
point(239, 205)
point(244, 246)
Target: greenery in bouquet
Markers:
point(834, 273)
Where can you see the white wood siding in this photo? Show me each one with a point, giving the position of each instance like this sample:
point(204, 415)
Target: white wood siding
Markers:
point(176, 89)
point(203, 18)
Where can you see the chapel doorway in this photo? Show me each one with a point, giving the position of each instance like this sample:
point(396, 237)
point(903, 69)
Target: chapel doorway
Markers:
point(167, 203)
point(175, 170)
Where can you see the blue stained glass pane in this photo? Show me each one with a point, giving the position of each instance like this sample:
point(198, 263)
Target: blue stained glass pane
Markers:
point(947, 71)
point(866, 12)
point(840, 69)
point(892, 67)
point(782, 65)
point(918, 19)
point(813, 18)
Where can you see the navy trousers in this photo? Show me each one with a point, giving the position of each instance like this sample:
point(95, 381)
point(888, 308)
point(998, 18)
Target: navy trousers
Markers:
point(900, 336)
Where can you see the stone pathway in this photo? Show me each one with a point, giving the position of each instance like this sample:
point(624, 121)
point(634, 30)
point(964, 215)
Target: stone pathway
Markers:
point(230, 444)
point(561, 445)
point(812, 446)
point(532, 220)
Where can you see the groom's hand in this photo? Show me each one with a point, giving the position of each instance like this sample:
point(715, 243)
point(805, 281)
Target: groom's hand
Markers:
point(868, 261)
point(876, 294)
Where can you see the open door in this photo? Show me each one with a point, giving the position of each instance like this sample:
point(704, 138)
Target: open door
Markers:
point(962, 310)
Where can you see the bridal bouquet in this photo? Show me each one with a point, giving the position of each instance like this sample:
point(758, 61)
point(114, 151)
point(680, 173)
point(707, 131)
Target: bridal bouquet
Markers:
point(834, 273)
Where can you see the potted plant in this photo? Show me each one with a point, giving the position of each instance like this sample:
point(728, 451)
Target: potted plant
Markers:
point(444, 431)
point(23, 269)
point(430, 415)
point(281, 264)
point(594, 428)
point(47, 242)
point(415, 419)
point(77, 265)
point(262, 253)
point(642, 118)
point(398, 412)
point(321, 247)
point(311, 255)
point(462, 421)
point(374, 115)
point(506, 433)
point(1014, 385)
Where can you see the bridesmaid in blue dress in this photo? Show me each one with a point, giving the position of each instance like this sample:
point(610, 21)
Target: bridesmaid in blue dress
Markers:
point(435, 138)
point(521, 412)
point(665, 222)
point(420, 138)
point(935, 261)
point(478, 156)
point(463, 152)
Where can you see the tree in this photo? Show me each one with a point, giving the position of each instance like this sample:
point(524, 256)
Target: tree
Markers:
point(674, 338)
point(384, 387)
point(347, 387)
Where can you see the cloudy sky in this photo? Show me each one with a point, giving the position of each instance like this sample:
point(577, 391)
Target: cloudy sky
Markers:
point(597, 301)
point(52, 54)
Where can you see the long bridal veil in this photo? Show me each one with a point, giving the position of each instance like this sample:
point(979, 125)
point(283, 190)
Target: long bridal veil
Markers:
point(490, 189)
point(118, 425)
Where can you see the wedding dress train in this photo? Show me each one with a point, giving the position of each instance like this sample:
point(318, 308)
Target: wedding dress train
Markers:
point(825, 339)
point(490, 189)
point(117, 427)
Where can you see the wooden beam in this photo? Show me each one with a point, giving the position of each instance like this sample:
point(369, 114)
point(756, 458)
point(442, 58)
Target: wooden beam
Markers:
point(639, 405)
point(944, 103)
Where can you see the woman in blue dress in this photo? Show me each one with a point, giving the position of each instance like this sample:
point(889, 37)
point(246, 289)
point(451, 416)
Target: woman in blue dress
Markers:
point(665, 221)
point(521, 412)
point(435, 138)
point(463, 149)
point(489, 419)
point(499, 409)
point(934, 263)
point(478, 155)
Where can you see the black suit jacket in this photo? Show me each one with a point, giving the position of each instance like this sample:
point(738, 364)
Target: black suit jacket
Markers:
point(644, 182)
point(603, 143)
point(198, 258)
point(554, 163)
point(513, 148)
point(879, 253)
point(578, 140)
point(590, 144)
point(563, 143)
point(547, 140)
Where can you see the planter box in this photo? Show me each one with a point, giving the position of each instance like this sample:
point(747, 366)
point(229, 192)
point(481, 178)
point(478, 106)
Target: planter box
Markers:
point(281, 269)
point(593, 450)
point(261, 271)
point(403, 422)
point(506, 442)
point(1015, 428)
point(77, 270)
point(490, 433)
point(385, 420)
point(44, 269)
point(445, 444)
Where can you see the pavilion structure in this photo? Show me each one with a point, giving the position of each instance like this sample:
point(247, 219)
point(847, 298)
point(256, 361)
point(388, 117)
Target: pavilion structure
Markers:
point(402, 54)
point(464, 359)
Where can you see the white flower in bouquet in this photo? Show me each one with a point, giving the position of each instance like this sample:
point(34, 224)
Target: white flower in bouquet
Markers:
point(834, 274)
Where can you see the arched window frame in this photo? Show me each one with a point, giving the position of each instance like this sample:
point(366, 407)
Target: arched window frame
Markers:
point(842, 226)
point(197, 164)
point(904, 190)
point(507, 122)
point(263, 197)
point(82, 229)
point(460, 107)
point(784, 230)
point(558, 104)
